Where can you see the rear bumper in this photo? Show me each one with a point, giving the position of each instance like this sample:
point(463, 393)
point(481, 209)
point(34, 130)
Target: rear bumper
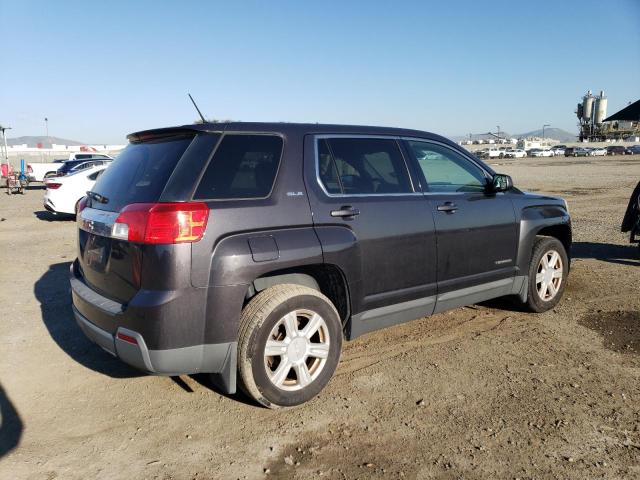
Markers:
point(177, 361)
point(145, 338)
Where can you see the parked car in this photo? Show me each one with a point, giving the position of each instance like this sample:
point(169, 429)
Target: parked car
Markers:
point(515, 153)
point(558, 149)
point(88, 155)
point(252, 249)
point(616, 150)
point(71, 166)
point(64, 193)
point(483, 153)
point(598, 152)
point(491, 152)
point(37, 172)
point(540, 152)
point(581, 152)
point(633, 150)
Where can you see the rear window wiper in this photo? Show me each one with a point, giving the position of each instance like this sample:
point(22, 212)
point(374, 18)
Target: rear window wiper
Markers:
point(97, 197)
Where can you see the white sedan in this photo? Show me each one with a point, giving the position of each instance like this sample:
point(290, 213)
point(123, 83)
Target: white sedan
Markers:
point(64, 193)
point(598, 152)
point(515, 153)
point(539, 152)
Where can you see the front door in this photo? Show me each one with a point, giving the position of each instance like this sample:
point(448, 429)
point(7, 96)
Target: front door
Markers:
point(476, 231)
point(371, 221)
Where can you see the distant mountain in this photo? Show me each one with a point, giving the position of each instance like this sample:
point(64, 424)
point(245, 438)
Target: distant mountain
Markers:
point(482, 136)
point(552, 133)
point(33, 141)
point(555, 133)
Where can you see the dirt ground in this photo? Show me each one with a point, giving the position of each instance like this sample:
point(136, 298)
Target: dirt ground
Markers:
point(481, 392)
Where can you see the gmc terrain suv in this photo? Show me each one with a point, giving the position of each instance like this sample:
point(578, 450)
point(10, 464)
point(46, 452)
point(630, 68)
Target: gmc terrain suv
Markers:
point(252, 249)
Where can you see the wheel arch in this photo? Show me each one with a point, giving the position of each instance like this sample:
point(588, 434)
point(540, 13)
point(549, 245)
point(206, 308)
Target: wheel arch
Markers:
point(560, 231)
point(326, 278)
point(545, 220)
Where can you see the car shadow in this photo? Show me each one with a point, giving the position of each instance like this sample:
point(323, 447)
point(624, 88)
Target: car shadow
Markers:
point(47, 216)
point(511, 303)
point(36, 187)
point(607, 252)
point(11, 425)
point(204, 380)
point(53, 292)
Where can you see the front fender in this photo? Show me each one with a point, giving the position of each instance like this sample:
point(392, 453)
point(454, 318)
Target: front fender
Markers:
point(533, 220)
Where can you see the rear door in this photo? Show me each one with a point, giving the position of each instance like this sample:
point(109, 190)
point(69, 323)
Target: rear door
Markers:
point(476, 231)
point(361, 193)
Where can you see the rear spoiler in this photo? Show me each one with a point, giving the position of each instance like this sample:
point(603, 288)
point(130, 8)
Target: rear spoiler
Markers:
point(185, 130)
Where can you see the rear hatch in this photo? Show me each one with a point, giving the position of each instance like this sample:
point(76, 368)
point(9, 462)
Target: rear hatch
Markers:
point(109, 265)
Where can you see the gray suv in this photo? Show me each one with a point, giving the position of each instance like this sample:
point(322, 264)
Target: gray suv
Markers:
point(250, 250)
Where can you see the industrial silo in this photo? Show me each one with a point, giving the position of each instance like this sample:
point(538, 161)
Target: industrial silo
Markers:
point(587, 106)
point(600, 108)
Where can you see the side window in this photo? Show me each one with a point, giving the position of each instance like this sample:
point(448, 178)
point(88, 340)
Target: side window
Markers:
point(243, 166)
point(366, 166)
point(445, 170)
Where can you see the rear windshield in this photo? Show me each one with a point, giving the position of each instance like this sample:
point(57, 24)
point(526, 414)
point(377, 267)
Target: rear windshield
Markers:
point(140, 173)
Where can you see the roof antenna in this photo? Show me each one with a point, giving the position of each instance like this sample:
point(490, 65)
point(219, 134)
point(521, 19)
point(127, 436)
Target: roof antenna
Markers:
point(199, 112)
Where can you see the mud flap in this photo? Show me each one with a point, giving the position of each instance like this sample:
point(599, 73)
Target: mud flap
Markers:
point(226, 379)
point(521, 287)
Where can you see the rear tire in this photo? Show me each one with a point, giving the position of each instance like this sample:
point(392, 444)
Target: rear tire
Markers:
point(548, 272)
point(289, 345)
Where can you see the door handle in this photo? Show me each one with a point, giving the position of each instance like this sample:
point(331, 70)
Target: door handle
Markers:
point(345, 212)
point(448, 207)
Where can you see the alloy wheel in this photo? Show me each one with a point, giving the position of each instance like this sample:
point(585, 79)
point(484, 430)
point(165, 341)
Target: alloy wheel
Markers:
point(549, 275)
point(296, 350)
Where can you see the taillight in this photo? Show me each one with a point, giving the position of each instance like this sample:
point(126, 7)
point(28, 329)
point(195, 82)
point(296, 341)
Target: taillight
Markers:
point(127, 338)
point(53, 186)
point(82, 204)
point(162, 222)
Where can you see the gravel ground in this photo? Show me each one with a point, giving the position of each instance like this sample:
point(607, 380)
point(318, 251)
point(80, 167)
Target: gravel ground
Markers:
point(481, 392)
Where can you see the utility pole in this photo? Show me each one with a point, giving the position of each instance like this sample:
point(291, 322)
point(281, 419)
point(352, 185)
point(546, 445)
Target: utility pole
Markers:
point(46, 125)
point(5, 160)
point(543, 127)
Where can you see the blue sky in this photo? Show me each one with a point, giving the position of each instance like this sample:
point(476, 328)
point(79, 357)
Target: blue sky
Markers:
point(99, 70)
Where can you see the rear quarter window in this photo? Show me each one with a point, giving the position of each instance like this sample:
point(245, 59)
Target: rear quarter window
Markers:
point(243, 166)
point(140, 172)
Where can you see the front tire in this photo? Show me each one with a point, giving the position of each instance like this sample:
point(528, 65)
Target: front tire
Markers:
point(289, 345)
point(548, 272)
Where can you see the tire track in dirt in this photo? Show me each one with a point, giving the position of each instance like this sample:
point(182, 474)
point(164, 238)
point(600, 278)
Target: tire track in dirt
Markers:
point(395, 344)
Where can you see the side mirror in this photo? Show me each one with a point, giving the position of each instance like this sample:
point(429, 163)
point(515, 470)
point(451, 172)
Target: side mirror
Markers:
point(501, 183)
